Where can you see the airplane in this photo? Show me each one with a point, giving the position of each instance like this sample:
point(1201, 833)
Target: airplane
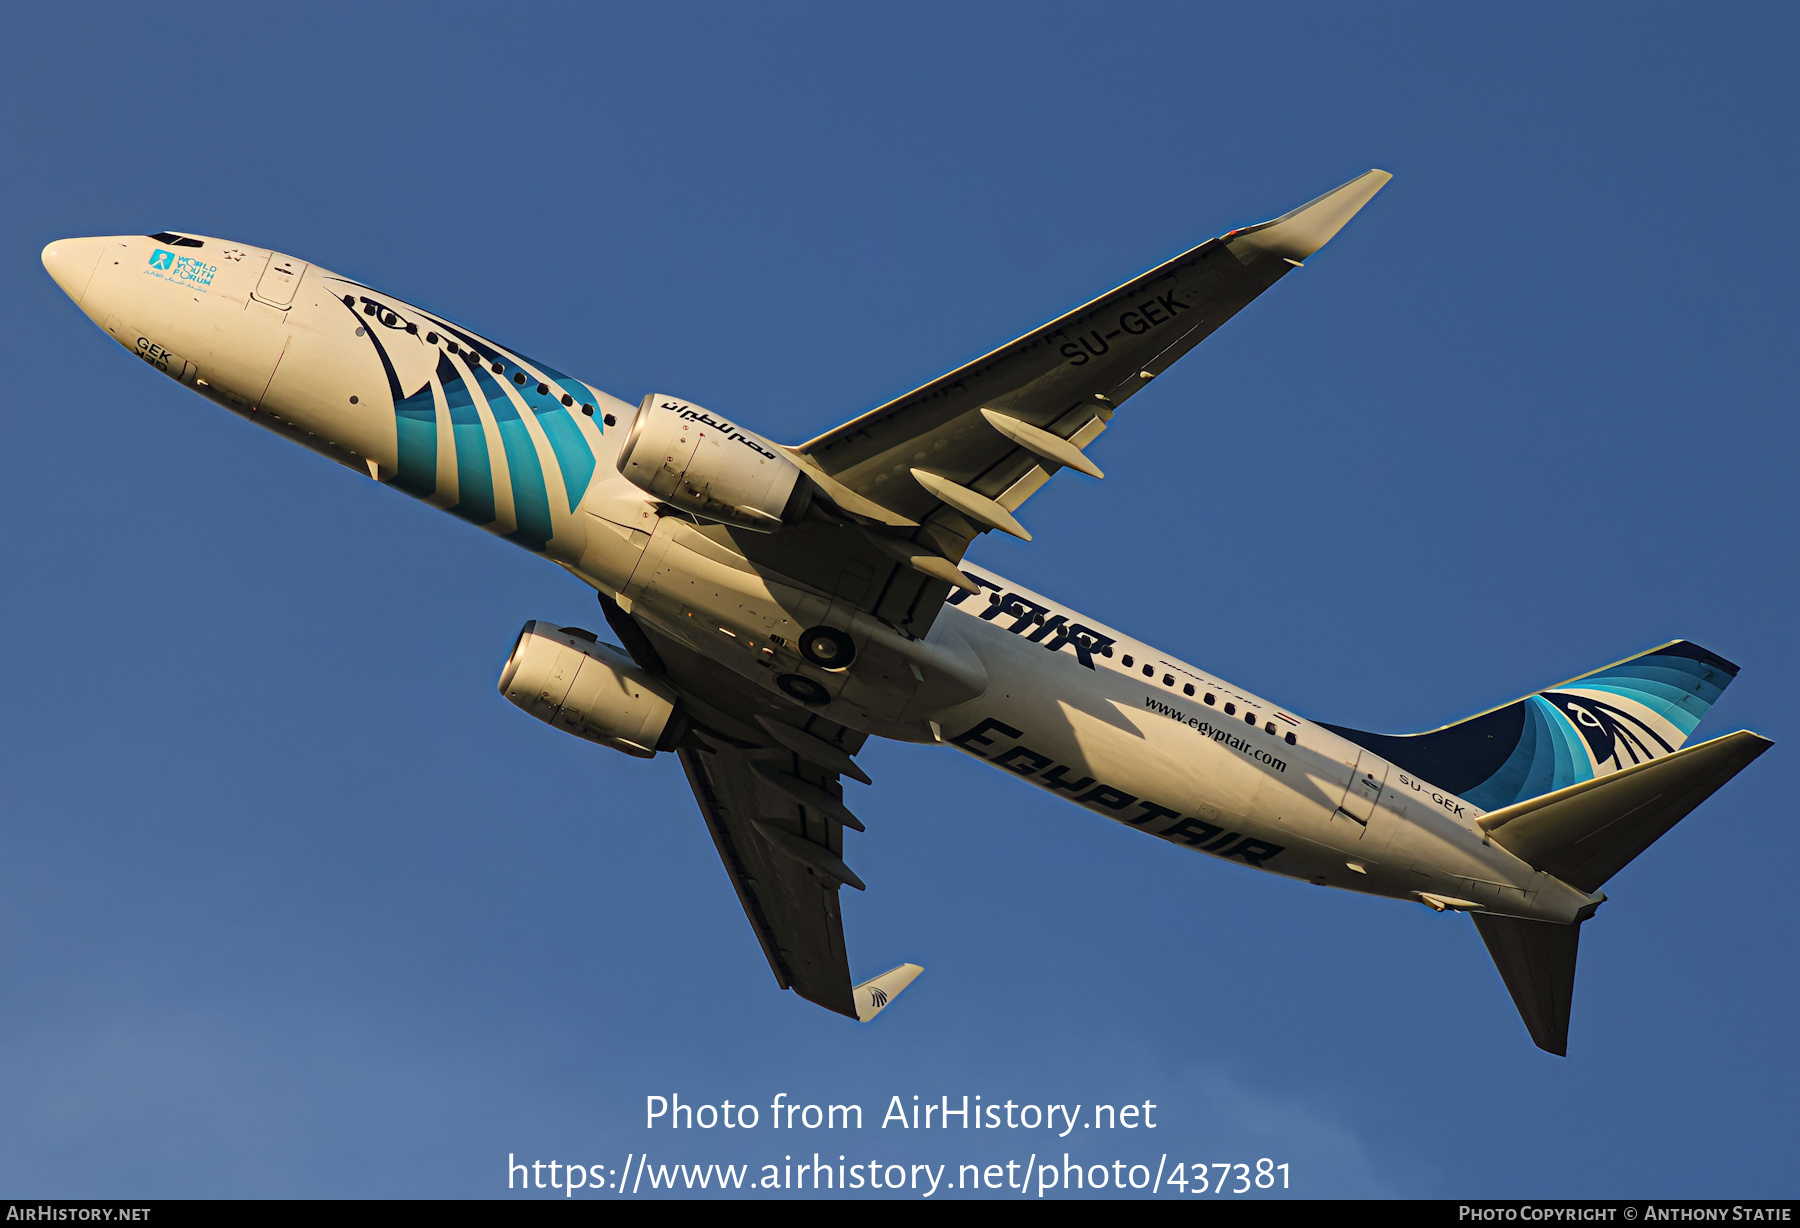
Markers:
point(776, 606)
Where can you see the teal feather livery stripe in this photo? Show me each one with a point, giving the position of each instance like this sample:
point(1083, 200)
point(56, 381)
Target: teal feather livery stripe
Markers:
point(573, 455)
point(531, 503)
point(418, 427)
point(474, 471)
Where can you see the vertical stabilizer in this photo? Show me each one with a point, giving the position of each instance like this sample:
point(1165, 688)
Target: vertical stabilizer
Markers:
point(1628, 713)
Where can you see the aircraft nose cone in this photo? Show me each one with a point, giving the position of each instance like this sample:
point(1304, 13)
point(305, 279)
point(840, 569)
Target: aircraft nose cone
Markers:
point(71, 264)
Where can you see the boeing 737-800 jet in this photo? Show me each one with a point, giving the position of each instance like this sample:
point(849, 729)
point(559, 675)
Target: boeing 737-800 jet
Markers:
point(777, 606)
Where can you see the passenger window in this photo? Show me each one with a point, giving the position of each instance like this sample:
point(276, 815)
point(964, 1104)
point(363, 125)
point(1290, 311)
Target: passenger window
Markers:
point(499, 369)
point(609, 419)
point(1209, 698)
point(1187, 688)
point(431, 338)
point(567, 399)
point(1168, 679)
point(1250, 719)
point(543, 389)
point(1149, 671)
point(1292, 741)
point(518, 377)
point(1127, 660)
point(1230, 709)
point(1269, 728)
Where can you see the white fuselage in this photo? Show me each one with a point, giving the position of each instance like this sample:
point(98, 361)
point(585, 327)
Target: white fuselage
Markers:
point(1011, 676)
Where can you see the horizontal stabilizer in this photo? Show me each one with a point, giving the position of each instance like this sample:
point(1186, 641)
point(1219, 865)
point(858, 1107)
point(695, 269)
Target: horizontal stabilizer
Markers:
point(1537, 961)
point(872, 996)
point(1586, 833)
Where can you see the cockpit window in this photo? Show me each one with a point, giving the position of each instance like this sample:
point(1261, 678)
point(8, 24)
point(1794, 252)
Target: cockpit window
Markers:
point(175, 240)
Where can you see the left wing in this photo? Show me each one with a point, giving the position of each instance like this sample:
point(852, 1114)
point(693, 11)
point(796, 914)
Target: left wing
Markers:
point(767, 777)
point(960, 455)
point(785, 860)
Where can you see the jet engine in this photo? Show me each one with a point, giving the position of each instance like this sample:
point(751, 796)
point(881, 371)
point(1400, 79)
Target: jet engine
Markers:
point(699, 462)
point(567, 678)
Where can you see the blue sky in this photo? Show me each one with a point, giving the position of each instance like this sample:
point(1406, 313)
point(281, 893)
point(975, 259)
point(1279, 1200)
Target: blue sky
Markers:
point(292, 902)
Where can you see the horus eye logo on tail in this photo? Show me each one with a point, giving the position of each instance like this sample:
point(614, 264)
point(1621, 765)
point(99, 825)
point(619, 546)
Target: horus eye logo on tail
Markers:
point(1615, 738)
point(879, 997)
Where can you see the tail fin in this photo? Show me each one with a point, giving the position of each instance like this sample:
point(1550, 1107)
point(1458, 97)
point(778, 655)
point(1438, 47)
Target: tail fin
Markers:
point(1537, 961)
point(1641, 709)
point(1584, 834)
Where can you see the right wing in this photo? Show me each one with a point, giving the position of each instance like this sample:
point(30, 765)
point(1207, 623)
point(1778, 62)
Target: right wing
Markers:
point(912, 483)
point(959, 455)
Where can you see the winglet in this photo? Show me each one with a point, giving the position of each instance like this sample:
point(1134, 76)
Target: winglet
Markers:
point(1297, 235)
point(873, 995)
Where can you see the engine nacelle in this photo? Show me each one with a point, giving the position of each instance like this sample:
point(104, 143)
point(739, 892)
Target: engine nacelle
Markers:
point(567, 678)
point(703, 464)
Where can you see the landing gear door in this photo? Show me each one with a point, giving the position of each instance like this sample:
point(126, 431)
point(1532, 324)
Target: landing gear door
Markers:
point(279, 281)
point(1366, 782)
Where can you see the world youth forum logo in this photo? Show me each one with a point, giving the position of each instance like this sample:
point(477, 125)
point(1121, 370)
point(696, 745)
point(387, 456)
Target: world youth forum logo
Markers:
point(170, 267)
